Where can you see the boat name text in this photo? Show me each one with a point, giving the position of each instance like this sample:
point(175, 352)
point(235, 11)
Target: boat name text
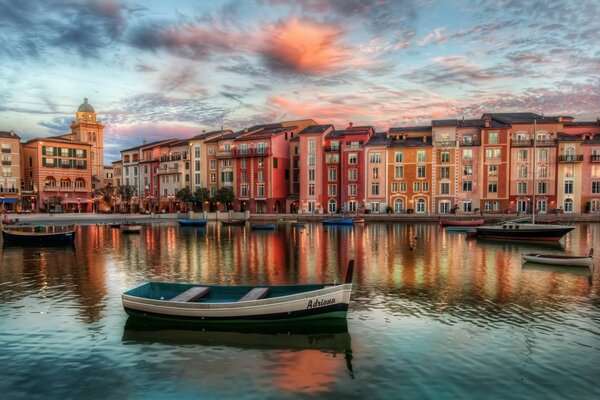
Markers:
point(320, 303)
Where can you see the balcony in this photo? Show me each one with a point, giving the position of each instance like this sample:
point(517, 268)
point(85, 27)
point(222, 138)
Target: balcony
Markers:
point(331, 149)
point(260, 152)
point(9, 190)
point(521, 143)
point(545, 143)
point(446, 143)
point(50, 188)
point(170, 158)
point(469, 143)
point(6, 162)
point(4, 150)
point(353, 147)
point(167, 170)
point(595, 158)
point(571, 158)
point(224, 153)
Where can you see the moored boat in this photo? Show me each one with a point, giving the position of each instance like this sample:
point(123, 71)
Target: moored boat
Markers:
point(130, 227)
point(523, 231)
point(225, 304)
point(560, 259)
point(192, 222)
point(338, 221)
point(233, 222)
point(298, 223)
point(40, 235)
point(263, 227)
point(462, 222)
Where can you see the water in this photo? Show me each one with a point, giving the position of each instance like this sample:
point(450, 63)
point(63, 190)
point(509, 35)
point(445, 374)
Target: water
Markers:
point(452, 318)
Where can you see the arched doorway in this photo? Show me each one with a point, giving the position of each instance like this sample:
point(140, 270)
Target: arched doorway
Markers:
point(331, 206)
point(421, 206)
point(399, 206)
point(568, 205)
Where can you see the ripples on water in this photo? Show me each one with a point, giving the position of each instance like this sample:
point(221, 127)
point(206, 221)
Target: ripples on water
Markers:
point(434, 315)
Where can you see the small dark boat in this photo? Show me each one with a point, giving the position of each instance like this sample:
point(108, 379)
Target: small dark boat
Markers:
point(190, 303)
point(560, 259)
point(298, 223)
point(263, 227)
point(338, 221)
point(115, 225)
point(233, 222)
point(40, 235)
point(462, 222)
point(524, 231)
point(192, 222)
point(130, 227)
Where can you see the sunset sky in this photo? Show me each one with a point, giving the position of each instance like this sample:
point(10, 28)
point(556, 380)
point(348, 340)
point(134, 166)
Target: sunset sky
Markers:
point(157, 69)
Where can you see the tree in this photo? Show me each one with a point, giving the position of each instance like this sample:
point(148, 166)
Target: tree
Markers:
point(106, 195)
point(126, 192)
point(225, 195)
point(200, 196)
point(185, 195)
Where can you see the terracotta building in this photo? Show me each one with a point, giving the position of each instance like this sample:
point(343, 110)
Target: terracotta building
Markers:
point(10, 181)
point(376, 173)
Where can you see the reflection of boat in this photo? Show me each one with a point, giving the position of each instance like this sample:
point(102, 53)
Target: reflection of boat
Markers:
point(40, 235)
point(263, 227)
point(579, 271)
point(233, 222)
point(298, 223)
point(462, 222)
point(192, 222)
point(560, 259)
point(523, 231)
point(338, 221)
point(358, 220)
point(130, 227)
point(115, 225)
point(329, 335)
point(458, 228)
point(194, 303)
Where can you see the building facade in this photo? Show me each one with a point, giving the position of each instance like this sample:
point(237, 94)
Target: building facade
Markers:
point(11, 199)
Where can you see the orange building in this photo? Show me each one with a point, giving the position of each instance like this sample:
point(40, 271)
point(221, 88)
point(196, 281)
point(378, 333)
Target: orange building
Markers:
point(10, 180)
point(58, 171)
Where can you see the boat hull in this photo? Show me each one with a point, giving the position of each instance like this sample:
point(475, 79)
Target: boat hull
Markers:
point(524, 232)
point(233, 222)
point(131, 228)
point(338, 222)
point(265, 227)
point(328, 302)
point(558, 260)
point(458, 222)
point(192, 222)
point(38, 238)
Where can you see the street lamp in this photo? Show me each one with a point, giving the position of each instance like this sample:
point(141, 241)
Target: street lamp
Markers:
point(79, 205)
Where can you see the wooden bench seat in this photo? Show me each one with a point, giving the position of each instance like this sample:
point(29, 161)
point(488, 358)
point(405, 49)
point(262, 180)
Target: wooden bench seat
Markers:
point(192, 294)
point(255, 294)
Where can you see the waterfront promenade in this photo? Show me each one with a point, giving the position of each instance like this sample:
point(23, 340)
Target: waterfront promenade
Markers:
point(89, 218)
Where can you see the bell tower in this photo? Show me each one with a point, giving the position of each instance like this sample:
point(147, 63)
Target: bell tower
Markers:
point(87, 129)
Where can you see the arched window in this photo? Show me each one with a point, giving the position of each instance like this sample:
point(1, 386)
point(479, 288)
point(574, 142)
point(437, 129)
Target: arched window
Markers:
point(421, 206)
point(79, 183)
point(568, 205)
point(49, 183)
point(331, 206)
point(65, 183)
point(398, 206)
point(570, 151)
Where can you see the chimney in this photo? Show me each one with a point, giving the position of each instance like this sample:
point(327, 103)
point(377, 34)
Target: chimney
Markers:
point(487, 122)
point(144, 142)
point(404, 136)
point(560, 118)
point(245, 129)
point(349, 125)
point(12, 133)
point(424, 139)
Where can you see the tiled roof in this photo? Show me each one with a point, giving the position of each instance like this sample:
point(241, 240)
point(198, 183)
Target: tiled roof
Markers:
point(378, 139)
point(316, 129)
point(444, 122)
point(206, 135)
point(267, 132)
point(10, 135)
point(521, 118)
point(595, 140)
point(405, 129)
point(563, 137)
point(411, 142)
point(57, 140)
point(335, 134)
point(357, 130)
point(228, 136)
point(166, 141)
point(583, 123)
point(179, 143)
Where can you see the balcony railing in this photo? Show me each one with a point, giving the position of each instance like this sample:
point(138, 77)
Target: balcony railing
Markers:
point(570, 158)
point(595, 158)
point(4, 150)
point(224, 153)
point(545, 143)
point(470, 143)
point(9, 190)
point(170, 158)
point(353, 147)
point(521, 143)
point(259, 152)
point(331, 149)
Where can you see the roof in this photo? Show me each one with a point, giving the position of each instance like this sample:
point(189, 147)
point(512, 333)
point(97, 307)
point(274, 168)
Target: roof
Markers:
point(179, 143)
point(563, 137)
point(267, 132)
point(405, 129)
point(58, 140)
point(314, 129)
point(595, 140)
point(86, 107)
point(444, 122)
point(206, 135)
point(335, 134)
point(521, 118)
point(9, 135)
point(411, 142)
point(144, 145)
point(357, 130)
point(378, 139)
point(228, 136)
point(583, 123)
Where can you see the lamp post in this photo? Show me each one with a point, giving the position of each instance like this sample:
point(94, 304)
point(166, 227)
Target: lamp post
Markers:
point(2, 199)
point(32, 203)
point(79, 205)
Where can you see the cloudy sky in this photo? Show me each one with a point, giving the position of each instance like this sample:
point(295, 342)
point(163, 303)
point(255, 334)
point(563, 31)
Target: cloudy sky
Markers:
point(154, 69)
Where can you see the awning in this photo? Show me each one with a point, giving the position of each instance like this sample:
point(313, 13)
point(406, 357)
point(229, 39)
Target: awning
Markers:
point(8, 200)
point(77, 201)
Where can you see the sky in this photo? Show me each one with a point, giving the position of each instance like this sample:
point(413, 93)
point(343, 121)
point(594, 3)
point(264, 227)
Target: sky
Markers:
point(171, 69)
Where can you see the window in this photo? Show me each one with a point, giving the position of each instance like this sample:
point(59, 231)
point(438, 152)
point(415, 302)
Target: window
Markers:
point(467, 186)
point(375, 189)
point(312, 160)
point(311, 145)
point(352, 190)
point(445, 156)
point(375, 158)
point(569, 187)
point(467, 206)
point(244, 191)
point(403, 186)
point(522, 171)
point(213, 164)
point(425, 186)
point(197, 151)
point(352, 158)
point(332, 158)
point(260, 148)
point(568, 205)
point(332, 174)
point(542, 171)
point(467, 170)
point(493, 137)
point(468, 140)
point(261, 162)
point(542, 188)
point(335, 145)
point(445, 188)
point(213, 177)
point(569, 171)
point(421, 156)
point(493, 187)
point(243, 163)
point(311, 189)
point(467, 154)
point(394, 187)
point(445, 207)
point(596, 187)
point(375, 173)
point(416, 187)
point(399, 172)
point(492, 170)
point(260, 176)
point(275, 162)
point(197, 165)
point(260, 190)
point(542, 155)
point(332, 190)
point(522, 188)
point(522, 155)
point(398, 206)
point(421, 207)
point(398, 157)
point(421, 171)
point(243, 177)
point(352, 174)
point(445, 172)
point(311, 175)
point(331, 206)
point(492, 154)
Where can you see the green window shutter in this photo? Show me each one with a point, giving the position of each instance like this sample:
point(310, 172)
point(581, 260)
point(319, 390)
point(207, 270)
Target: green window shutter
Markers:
point(43, 161)
point(55, 151)
point(71, 151)
point(43, 150)
point(84, 153)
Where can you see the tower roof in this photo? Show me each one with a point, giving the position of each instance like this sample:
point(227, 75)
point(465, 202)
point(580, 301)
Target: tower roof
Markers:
point(86, 107)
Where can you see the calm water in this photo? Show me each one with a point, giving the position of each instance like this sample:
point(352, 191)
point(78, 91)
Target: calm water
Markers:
point(452, 318)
